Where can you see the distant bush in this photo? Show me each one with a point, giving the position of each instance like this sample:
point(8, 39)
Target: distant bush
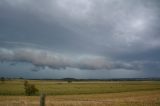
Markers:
point(30, 89)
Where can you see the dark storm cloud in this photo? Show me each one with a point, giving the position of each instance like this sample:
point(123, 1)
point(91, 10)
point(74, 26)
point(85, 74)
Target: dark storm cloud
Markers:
point(123, 34)
point(111, 25)
point(108, 26)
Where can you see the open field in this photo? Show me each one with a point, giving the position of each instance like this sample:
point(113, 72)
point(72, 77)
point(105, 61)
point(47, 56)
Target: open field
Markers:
point(59, 93)
point(91, 87)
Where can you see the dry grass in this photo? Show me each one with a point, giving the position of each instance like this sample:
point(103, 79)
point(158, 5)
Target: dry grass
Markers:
point(138, 98)
point(123, 93)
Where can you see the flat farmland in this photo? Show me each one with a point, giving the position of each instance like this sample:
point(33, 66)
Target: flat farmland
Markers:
point(86, 93)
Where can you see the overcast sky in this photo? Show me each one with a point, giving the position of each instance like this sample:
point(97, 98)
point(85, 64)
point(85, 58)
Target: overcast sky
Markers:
point(80, 38)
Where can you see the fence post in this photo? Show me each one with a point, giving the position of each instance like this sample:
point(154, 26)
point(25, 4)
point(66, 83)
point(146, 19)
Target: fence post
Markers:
point(42, 100)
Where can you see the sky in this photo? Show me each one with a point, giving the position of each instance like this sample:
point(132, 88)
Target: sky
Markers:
point(80, 38)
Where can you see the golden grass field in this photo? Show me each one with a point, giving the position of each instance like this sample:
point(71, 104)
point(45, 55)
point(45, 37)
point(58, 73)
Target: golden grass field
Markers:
point(129, 93)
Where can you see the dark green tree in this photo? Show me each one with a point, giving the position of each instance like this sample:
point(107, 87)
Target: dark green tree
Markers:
point(30, 89)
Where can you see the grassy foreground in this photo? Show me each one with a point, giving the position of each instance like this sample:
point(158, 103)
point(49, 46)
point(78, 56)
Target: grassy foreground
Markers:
point(123, 93)
point(137, 98)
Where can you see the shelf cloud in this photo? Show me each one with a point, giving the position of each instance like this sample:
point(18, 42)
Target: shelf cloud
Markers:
point(53, 60)
point(44, 58)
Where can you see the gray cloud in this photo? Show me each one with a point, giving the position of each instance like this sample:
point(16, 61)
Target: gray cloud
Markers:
point(83, 34)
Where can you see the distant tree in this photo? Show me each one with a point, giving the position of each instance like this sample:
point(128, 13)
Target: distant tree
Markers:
point(20, 78)
point(2, 79)
point(69, 81)
point(30, 89)
point(25, 83)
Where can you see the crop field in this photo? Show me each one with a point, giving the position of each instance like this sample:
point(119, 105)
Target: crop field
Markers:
point(86, 93)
